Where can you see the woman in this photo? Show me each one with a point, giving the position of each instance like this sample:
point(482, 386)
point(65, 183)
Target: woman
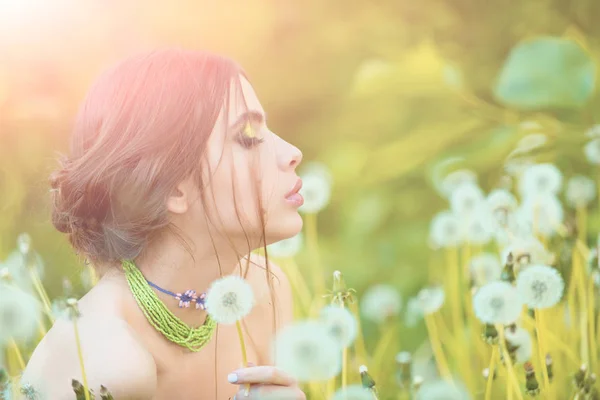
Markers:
point(174, 177)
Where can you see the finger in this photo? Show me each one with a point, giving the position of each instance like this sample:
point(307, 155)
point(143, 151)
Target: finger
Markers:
point(261, 374)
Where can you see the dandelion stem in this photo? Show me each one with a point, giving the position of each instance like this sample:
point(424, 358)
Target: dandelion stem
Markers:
point(490, 379)
point(298, 284)
point(238, 325)
point(557, 342)
point(81, 364)
point(539, 328)
point(436, 346)
point(454, 283)
point(359, 344)
point(39, 288)
point(513, 382)
point(591, 326)
point(344, 367)
point(313, 247)
point(15, 347)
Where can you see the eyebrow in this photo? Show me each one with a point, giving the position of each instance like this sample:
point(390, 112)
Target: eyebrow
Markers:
point(250, 115)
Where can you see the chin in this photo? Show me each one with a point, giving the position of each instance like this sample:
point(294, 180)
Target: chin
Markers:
point(284, 227)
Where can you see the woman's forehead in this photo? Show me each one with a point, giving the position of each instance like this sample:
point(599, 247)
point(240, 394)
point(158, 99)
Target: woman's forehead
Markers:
point(243, 98)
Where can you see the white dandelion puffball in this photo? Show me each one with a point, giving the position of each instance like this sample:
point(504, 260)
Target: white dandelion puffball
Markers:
point(497, 303)
point(580, 191)
point(229, 299)
point(501, 200)
point(16, 265)
point(286, 248)
point(317, 168)
point(592, 151)
point(307, 352)
point(19, 314)
point(381, 302)
point(543, 213)
point(413, 312)
point(540, 179)
point(445, 230)
point(455, 179)
point(466, 199)
point(431, 299)
point(479, 228)
point(593, 132)
point(519, 337)
point(340, 323)
point(527, 250)
point(442, 390)
point(353, 392)
point(540, 286)
point(485, 268)
point(316, 191)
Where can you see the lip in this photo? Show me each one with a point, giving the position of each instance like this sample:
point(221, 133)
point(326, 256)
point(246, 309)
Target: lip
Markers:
point(295, 189)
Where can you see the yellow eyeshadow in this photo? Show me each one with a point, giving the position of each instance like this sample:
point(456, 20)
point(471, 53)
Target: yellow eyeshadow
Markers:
point(249, 131)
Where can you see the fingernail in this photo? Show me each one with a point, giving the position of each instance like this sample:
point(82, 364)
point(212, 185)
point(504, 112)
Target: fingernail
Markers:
point(232, 378)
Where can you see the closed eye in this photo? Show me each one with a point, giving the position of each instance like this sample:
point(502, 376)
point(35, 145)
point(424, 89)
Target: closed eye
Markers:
point(248, 142)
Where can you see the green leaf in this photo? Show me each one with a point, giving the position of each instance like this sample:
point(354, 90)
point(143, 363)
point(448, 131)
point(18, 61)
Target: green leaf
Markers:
point(546, 72)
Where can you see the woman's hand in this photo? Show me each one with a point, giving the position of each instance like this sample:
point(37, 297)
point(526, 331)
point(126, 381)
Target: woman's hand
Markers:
point(266, 383)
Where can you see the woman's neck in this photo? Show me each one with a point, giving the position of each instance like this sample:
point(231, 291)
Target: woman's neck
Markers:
point(171, 267)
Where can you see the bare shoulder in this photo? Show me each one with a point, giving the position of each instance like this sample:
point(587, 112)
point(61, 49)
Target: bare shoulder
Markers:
point(111, 354)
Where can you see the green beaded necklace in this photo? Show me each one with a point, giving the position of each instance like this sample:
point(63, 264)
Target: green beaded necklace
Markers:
point(161, 318)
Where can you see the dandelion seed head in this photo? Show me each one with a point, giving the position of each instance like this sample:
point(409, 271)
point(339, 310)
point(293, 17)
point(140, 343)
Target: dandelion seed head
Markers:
point(466, 199)
point(455, 179)
point(286, 248)
point(431, 299)
point(501, 199)
point(413, 313)
point(485, 268)
point(592, 151)
point(381, 302)
point(19, 314)
point(479, 228)
point(442, 390)
point(403, 357)
point(229, 299)
point(316, 191)
point(497, 303)
point(540, 179)
point(540, 286)
point(542, 213)
point(24, 243)
point(18, 265)
point(363, 369)
point(307, 352)
point(580, 191)
point(340, 323)
point(445, 230)
point(353, 392)
point(527, 250)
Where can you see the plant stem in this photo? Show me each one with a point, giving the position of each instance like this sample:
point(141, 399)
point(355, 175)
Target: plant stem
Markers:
point(591, 326)
point(490, 379)
point(39, 288)
point(438, 352)
point(512, 377)
point(15, 347)
point(81, 364)
point(313, 248)
point(238, 325)
point(539, 328)
point(359, 344)
point(557, 342)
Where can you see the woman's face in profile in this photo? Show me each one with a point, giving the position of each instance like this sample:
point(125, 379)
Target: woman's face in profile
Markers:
point(248, 162)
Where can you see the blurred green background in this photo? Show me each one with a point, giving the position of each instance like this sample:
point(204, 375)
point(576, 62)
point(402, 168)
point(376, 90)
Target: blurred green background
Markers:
point(381, 92)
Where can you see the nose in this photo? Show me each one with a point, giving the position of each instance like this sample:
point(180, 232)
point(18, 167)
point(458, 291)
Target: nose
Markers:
point(291, 157)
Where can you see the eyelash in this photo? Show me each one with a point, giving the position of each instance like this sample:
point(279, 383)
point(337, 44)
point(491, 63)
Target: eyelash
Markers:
point(248, 142)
